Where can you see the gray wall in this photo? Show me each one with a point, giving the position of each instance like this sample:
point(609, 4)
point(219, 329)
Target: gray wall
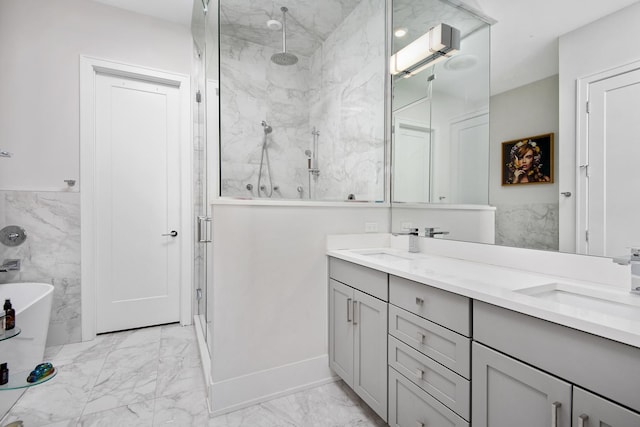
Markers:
point(526, 215)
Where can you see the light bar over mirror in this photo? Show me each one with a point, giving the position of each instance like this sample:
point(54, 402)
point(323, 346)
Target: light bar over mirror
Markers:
point(440, 42)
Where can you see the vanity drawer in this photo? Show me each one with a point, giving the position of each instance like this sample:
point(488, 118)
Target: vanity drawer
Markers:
point(368, 280)
point(445, 385)
point(444, 308)
point(442, 345)
point(410, 406)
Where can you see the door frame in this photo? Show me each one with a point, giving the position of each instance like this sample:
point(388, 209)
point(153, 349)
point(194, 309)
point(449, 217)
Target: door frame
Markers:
point(582, 149)
point(89, 68)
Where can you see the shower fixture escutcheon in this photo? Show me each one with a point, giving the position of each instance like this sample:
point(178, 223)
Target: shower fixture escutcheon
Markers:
point(12, 235)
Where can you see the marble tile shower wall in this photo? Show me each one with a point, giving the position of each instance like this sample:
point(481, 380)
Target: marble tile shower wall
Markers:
point(339, 90)
point(51, 253)
point(531, 226)
point(251, 92)
point(347, 103)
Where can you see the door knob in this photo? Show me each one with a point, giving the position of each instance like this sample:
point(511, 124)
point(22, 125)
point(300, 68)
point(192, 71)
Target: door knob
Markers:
point(173, 233)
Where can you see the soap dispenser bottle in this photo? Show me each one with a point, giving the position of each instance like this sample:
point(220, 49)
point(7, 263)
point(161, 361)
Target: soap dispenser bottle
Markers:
point(10, 315)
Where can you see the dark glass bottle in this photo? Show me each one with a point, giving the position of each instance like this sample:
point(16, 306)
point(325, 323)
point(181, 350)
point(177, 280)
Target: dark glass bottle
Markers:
point(10, 320)
point(4, 374)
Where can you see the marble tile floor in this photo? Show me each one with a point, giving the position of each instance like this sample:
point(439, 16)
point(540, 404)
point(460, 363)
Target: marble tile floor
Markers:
point(152, 377)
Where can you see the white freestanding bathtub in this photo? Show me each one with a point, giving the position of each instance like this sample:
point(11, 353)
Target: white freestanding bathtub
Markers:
point(32, 303)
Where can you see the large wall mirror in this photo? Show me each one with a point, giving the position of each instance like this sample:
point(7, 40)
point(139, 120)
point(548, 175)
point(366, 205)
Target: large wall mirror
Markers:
point(450, 130)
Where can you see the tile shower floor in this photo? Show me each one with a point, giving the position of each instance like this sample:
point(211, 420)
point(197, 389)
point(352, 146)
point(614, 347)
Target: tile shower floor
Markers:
point(152, 377)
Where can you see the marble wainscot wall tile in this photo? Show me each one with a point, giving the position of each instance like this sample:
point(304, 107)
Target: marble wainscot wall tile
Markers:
point(51, 253)
point(532, 226)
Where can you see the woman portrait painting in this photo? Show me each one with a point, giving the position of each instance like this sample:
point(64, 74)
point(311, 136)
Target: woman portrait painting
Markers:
point(528, 160)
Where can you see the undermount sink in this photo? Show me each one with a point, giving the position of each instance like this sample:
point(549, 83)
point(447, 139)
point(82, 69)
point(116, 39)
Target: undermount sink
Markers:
point(381, 255)
point(614, 303)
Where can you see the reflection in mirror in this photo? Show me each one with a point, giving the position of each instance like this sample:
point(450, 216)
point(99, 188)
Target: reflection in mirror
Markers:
point(440, 116)
point(440, 144)
point(545, 81)
point(306, 129)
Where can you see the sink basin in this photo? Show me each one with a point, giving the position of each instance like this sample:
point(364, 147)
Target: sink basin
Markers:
point(381, 255)
point(614, 303)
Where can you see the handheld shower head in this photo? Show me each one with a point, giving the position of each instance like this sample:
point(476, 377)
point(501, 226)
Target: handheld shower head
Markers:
point(267, 128)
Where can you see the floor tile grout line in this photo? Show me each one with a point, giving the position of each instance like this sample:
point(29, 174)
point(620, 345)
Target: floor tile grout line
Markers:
point(155, 391)
point(95, 380)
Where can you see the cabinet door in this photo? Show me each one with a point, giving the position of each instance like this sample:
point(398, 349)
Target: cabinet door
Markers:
point(370, 348)
point(590, 410)
point(341, 330)
point(507, 393)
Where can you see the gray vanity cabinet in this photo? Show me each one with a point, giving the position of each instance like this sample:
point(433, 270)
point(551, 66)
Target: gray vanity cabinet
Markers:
point(508, 393)
point(358, 337)
point(590, 410)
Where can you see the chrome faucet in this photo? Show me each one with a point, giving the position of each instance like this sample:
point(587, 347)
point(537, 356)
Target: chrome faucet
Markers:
point(431, 232)
point(634, 261)
point(414, 242)
point(10, 265)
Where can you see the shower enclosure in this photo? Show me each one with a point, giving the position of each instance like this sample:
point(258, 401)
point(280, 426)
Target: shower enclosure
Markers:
point(306, 68)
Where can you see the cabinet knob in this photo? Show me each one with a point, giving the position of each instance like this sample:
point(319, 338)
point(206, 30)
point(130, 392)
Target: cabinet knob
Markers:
point(419, 301)
point(419, 374)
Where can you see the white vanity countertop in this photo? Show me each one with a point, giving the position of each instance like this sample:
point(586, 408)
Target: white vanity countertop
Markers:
point(504, 286)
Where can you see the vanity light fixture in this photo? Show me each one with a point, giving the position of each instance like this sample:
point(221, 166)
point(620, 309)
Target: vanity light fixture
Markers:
point(440, 42)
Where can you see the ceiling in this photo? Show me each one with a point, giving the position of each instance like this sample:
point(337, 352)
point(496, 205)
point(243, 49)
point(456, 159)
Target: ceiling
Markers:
point(176, 11)
point(524, 45)
point(523, 40)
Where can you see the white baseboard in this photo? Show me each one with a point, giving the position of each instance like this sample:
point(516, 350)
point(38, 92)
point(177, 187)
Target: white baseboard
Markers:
point(247, 390)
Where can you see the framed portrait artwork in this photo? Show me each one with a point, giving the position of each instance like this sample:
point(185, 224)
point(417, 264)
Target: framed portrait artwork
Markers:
point(528, 160)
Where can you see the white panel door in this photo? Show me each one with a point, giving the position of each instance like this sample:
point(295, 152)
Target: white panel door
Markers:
point(137, 202)
point(613, 153)
point(411, 162)
point(470, 161)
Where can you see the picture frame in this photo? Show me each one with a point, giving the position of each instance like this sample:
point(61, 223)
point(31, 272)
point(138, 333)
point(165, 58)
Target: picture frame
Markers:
point(528, 160)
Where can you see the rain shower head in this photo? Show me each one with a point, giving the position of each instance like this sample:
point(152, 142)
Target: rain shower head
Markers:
point(284, 58)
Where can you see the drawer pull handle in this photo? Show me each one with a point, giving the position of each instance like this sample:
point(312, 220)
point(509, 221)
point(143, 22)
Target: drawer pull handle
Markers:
point(419, 374)
point(355, 316)
point(421, 337)
point(419, 301)
point(555, 407)
point(420, 424)
point(348, 309)
point(582, 420)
